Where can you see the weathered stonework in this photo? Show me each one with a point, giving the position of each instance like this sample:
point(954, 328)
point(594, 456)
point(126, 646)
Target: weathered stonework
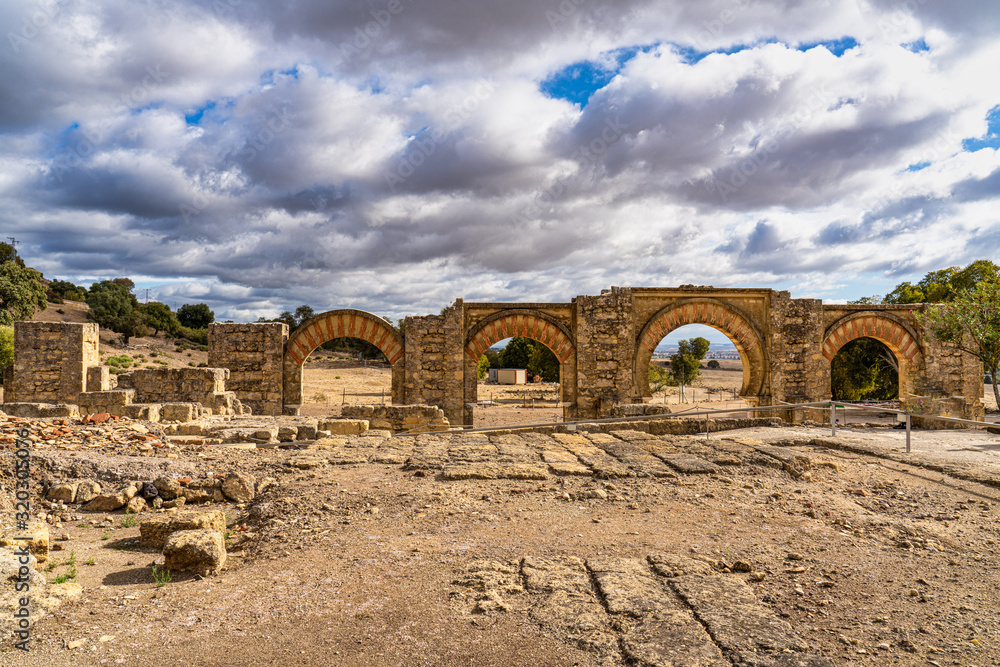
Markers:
point(51, 361)
point(254, 354)
point(604, 344)
point(398, 418)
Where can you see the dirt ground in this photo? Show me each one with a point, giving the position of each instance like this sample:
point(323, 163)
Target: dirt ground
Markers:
point(569, 549)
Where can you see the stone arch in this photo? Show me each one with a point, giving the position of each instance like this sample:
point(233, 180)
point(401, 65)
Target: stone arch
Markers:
point(520, 322)
point(345, 322)
point(893, 332)
point(721, 316)
point(528, 323)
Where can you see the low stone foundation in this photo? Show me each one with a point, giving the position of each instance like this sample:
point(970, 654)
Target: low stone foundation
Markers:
point(40, 410)
point(399, 418)
point(638, 409)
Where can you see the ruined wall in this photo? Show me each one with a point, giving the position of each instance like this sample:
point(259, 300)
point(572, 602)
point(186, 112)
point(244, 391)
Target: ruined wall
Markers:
point(605, 345)
point(399, 418)
point(51, 361)
point(799, 372)
point(434, 373)
point(254, 355)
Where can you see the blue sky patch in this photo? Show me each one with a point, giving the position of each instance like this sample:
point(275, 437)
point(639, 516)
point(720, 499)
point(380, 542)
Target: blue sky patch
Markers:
point(194, 117)
point(917, 46)
point(918, 166)
point(992, 137)
point(835, 46)
point(577, 82)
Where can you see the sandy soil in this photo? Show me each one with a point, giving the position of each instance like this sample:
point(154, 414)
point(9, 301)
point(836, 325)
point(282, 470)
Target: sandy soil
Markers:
point(836, 558)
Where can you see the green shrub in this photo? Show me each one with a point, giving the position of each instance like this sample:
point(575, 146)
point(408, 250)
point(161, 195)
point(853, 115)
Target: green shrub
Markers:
point(121, 361)
point(198, 336)
point(6, 346)
point(60, 311)
point(191, 363)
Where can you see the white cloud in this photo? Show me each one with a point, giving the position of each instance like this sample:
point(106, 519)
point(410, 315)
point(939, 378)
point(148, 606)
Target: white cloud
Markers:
point(418, 161)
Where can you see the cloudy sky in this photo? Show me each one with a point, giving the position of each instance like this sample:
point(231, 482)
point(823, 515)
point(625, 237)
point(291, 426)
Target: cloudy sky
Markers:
point(392, 155)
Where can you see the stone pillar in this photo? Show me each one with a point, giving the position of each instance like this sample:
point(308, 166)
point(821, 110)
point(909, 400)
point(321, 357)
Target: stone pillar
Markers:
point(254, 354)
point(433, 373)
point(51, 361)
point(605, 350)
point(799, 371)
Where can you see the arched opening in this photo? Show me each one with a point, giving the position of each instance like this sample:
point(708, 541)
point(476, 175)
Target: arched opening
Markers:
point(864, 370)
point(344, 371)
point(526, 339)
point(365, 348)
point(744, 343)
point(697, 365)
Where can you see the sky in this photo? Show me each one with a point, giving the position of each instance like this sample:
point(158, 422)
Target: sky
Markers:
point(394, 155)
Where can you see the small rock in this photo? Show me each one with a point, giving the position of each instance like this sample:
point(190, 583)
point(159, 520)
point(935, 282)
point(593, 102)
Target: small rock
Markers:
point(168, 488)
point(149, 490)
point(200, 551)
point(742, 566)
point(794, 556)
point(239, 487)
point(136, 504)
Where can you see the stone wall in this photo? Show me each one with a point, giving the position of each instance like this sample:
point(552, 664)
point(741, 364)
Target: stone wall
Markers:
point(181, 385)
point(434, 369)
point(254, 355)
point(604, 344)
point(51, 361)
point(605, 337)
point(399, 418)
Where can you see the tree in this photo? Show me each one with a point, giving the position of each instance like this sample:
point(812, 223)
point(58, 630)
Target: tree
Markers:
point(303, 313)
point(195, 315)
point(713, 363)
point(8, 253)
point(543, 362)
point(6, 347)
point(686, 362)
point(482, 367)
point(971, 321)
point(113, 306)
point(160, 317)
point(21, 291)
point(517, 354)
point(659, 378)
point(63, 289)
point(944, 284)
point(864, 369)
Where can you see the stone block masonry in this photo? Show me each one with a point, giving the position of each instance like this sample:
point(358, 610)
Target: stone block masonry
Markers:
point(604, 345)
point(254, 355)
point(51, 361)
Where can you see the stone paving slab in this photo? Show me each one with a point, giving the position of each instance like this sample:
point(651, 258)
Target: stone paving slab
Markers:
point(494, 471)
point(671, 639)
point(564, 463)
point(630, 588)
point(570, 607)
point(688, 464)
point(734, 617)
point(644, 463)
point(603, 465)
